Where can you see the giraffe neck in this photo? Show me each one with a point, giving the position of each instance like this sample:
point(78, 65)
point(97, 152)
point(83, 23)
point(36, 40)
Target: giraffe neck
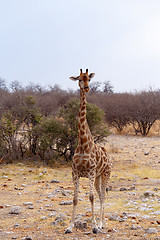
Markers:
point(84, 134)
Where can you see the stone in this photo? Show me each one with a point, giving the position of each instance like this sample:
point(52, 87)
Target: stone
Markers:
point(54, 223)
point(16, 188)
point(27, 203)
point(114, 218)
point(27, 238)
point(15, 210)
point(61, 218)
point(54, 181)
point(30, 207)
point(146, 153)
point(52, 214)
point(151, 230)
point(134, 227)
point(43, 217)
point(66, 193)
point(80, 224)
point(66, 203)
point(132, 188)
point(112, 230)
point(16, 225)
point(148, 194)
point(123, 189)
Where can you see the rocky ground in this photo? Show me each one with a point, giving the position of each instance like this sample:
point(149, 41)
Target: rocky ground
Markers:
point(36, 202)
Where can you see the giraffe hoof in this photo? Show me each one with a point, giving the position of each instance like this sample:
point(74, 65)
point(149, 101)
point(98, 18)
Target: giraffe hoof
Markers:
point(94, 230)
point(68, 231)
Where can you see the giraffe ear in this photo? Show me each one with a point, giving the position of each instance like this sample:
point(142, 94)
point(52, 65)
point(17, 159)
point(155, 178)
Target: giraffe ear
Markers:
point(74, 78)
point(91, 75)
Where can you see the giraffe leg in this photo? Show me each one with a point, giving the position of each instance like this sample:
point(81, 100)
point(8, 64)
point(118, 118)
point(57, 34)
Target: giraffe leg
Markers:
point(75, 201)
point(101, 194)
point(91, 198)
point(104, 181)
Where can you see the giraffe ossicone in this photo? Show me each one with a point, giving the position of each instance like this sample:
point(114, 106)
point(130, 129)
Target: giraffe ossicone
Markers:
point(90, 160)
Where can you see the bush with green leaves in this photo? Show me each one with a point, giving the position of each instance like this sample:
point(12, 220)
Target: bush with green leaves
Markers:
point(48, 135)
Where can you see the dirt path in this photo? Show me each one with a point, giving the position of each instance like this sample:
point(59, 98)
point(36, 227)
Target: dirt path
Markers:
point(31, 204)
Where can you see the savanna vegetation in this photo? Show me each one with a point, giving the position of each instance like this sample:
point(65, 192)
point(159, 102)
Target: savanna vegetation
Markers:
point(41, 124)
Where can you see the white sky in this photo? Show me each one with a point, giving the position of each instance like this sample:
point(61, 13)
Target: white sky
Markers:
point(46, 41)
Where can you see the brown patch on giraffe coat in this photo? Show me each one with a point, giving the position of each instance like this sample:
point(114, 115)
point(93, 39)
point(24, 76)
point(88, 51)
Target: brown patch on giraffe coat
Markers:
point(82, 132)
point(88, 164)
point(81, 168)
point(82, 119)
point(84, 140)
point(83, 162)
point(76, 160)
point(86, 148)
point(92, 155)
point(83, 114)
point(83, 108)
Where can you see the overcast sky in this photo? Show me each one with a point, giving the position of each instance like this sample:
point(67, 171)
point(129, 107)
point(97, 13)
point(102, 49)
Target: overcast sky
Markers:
point(46, 41)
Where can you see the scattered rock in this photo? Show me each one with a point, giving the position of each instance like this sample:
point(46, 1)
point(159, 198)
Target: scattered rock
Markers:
point(146, 153)
point(15, 210)
point(66, 193)
point(66, 203)
point(144, 209)
point(131, 188)
point(61, 218)
point(148, 194)
point(156, 213)
point(133, 227)
point(151, 230)
point(16, 188)
point(114, 218)
point(16, 225)
point(123, 189)
point(80, 225)
point(54, 181)
point(4, 176)
point(27, 203)
point(30, 207)
point(112, 230)
point(54, 223)
point(52, 214)
point(43, 217)
point(27, 238)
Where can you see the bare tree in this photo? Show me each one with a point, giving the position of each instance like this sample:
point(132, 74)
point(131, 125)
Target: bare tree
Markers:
point(108, 88)
point(144, 110)
point(116, 111)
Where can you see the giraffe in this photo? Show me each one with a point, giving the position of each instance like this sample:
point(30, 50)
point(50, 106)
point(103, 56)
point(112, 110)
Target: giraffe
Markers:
point(90, 160)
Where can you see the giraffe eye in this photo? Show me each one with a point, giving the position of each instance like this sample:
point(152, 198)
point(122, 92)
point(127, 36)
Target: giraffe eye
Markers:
point(80, 80)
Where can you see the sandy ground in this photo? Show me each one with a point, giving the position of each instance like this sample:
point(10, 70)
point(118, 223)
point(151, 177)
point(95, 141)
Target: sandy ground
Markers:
point(132, 206)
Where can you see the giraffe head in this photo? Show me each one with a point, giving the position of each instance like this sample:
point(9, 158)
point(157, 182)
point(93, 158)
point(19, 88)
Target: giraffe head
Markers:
point(83, 79)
